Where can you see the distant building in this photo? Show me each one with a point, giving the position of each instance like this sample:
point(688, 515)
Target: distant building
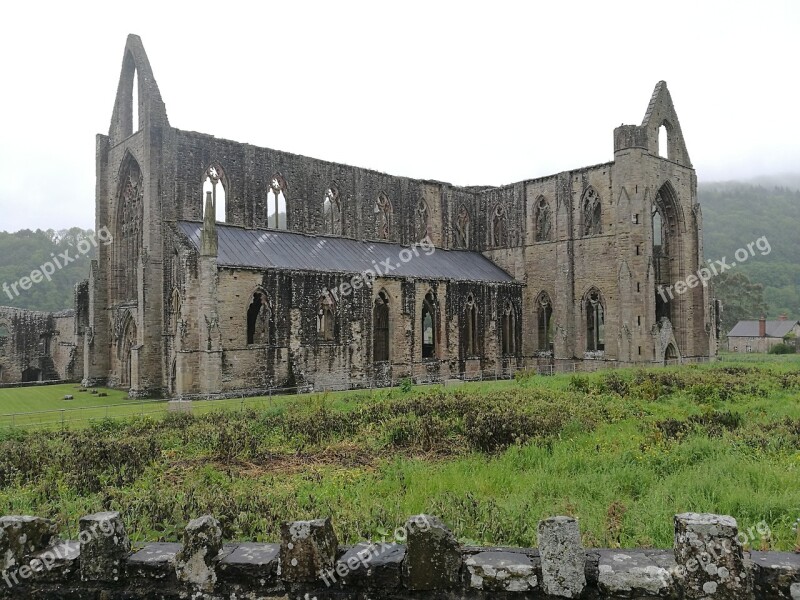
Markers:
point(761, 335)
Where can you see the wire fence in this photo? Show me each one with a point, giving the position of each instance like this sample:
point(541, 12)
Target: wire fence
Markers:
point(64, 417)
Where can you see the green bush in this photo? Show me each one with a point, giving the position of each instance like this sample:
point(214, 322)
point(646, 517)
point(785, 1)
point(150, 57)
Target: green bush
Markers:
point(782, 349)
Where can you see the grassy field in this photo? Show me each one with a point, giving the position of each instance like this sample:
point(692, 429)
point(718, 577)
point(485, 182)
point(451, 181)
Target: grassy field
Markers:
point(622, 451)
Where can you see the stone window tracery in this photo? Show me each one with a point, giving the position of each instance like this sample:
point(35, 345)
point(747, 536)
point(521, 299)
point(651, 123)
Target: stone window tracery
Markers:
point(213, 182)
point(544, 323)
point(471, 331)
point(595, 322)
point(499, 227)
point(462, 229)
point(276, 203)
point(429, 326)
point(332, 211)
point(423, 221)
point(383, 214)
point(128, 236)
point(508, 329)
point(325, 319)
point(380, 349)
point(543, 224)
point(592, 213)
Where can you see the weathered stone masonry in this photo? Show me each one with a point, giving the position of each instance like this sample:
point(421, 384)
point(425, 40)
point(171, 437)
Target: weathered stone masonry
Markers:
point(546, 271)
point(39, 346)
point(422, 561)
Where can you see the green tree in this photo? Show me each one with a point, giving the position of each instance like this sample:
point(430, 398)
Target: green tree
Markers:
point(741, 298)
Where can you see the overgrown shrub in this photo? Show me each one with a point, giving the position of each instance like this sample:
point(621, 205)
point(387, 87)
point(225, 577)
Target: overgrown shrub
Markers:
point(782, 349)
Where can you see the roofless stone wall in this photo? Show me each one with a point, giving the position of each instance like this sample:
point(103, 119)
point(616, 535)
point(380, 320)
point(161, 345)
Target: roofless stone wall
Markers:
point(424, 561)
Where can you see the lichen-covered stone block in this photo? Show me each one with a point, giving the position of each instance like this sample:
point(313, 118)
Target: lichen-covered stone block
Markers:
point(58, 563)
point(21, 536)
point(563, 557)
point(370, 564)
point(253, 562)
point(501, 572)
point(433, 555)
point(308, 550)
point(104, 546)
point(774, 573)
point(631, 573)
point(195, 564)
point(709, 557)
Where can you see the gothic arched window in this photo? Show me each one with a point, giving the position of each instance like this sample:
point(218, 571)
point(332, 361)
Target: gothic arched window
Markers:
point(592, 213)
point(276, 203)
point(423, 223)
point(429, 325)
point(128, 235)
point(332, 212)
point(544, 323)
point(325, 318)
point(380, 328)
point(462, 229)
point(499, 227)
point(213, 183)
point(595, 322)
point(383, 214)
point(259, 315)
point(508, 329)
point(471, 331)
point(542, 221)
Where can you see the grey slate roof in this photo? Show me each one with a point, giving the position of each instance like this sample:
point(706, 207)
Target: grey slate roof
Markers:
point(276, 249)
point(776, 329)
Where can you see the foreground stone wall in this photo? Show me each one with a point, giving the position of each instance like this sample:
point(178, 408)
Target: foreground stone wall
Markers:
point(423, 561)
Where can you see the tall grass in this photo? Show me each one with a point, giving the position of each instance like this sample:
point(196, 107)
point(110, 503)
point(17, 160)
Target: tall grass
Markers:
point(622, 451)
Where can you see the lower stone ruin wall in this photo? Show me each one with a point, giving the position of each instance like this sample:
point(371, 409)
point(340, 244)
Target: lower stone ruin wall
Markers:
point(423, 561)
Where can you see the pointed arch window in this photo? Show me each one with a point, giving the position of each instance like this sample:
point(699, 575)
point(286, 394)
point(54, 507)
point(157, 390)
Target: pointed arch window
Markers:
point(4, 331)
point(429, 326)
point(462, 229)
point(332, 211)
point(128, 231)
point(663, 140)
point(383, 216)
point(380, 326)
point(276, 203)
point(325, 318)
point(508, 329)
point(44, 343)
point(592, 213)
point(259, 316)
point(542, 221)
point(544, 323)
point(471, 331)
point(136, 124)
point(499, 226)
point(212, 182)
point(423, 221)
point(595, 322)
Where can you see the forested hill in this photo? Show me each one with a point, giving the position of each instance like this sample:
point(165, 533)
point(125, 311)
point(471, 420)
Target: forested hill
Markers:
point(736, 214)
point(65, 253)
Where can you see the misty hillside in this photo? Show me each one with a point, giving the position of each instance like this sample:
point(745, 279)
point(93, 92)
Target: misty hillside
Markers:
point(25, 251)
point(736, 214)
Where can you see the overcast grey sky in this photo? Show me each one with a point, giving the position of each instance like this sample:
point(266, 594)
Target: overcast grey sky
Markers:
point(470, 93)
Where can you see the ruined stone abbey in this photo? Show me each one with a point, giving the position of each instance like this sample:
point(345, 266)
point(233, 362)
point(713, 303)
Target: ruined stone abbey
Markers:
point(236, 269)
